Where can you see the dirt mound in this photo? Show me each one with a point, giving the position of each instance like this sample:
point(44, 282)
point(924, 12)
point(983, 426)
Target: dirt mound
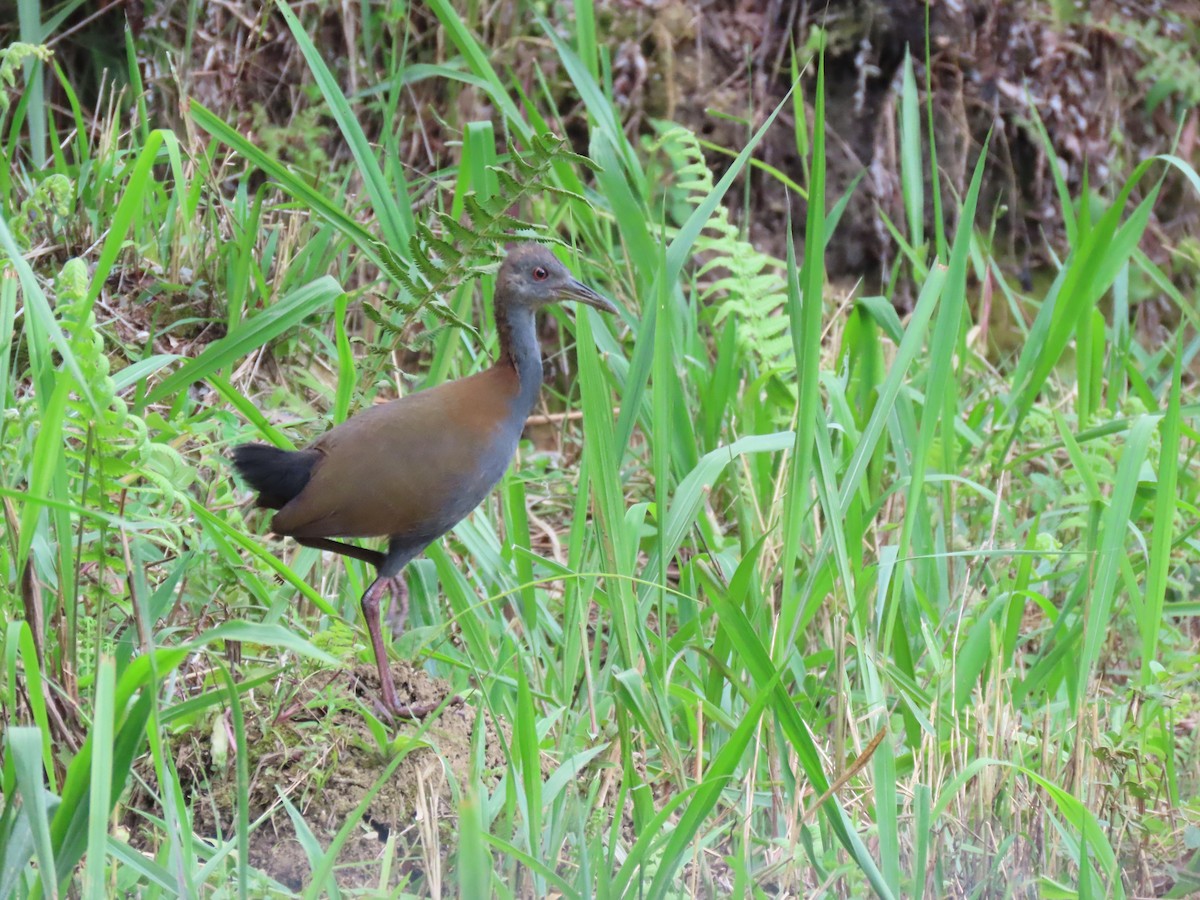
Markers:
point(320, 753)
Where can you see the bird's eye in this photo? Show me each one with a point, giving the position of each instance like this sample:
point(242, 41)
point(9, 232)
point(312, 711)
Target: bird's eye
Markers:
point(540, 273)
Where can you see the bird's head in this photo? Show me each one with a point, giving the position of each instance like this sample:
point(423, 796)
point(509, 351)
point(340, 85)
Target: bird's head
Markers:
point(531, 276)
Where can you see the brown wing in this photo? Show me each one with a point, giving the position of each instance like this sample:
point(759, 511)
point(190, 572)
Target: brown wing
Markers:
point(410, 468)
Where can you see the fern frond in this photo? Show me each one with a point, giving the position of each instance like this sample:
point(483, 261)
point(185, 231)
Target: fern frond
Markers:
point(737, 279)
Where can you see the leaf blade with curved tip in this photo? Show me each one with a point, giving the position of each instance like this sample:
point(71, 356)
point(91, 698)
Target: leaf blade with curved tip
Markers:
point(254, 333)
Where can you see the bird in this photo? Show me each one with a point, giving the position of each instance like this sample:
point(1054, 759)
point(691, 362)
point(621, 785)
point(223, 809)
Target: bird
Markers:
point(413, 468)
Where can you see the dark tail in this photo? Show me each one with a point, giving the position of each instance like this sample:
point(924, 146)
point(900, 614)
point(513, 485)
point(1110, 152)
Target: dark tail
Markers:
point(277, 475)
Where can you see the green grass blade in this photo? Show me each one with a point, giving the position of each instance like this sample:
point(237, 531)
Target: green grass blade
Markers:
point(25, 746)
point(102, 765)
point(1165, 506)
point(242, 764)
point(254, 333)
point(805, 308)
point(1116, 524)
point(394, 216)
point(719, 774)
point(286, 179)
point(912, 174)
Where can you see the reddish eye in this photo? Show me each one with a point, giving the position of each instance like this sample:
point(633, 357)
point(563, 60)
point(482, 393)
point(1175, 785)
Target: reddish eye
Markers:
point(540, 274)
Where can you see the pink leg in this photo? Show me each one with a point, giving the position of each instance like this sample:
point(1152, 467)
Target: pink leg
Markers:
point(370, 608)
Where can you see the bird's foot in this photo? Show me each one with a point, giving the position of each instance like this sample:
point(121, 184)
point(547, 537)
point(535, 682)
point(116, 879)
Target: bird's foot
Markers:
point(385, 701)
point(388, 701)
point(412, 711)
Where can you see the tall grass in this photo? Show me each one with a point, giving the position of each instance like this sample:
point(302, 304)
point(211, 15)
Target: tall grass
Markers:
point(850, 612)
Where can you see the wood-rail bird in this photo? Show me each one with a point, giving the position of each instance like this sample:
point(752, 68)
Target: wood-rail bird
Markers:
point(413, 468)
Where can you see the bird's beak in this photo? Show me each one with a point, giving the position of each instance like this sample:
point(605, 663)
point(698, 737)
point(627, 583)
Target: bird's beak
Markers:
point(581, 293)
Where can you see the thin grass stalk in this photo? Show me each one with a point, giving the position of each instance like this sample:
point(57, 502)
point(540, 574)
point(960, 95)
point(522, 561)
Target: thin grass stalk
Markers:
point(1162, 533)
point(805, 301)
point(102, 764)
point(389, 196)
point(938, 417)
point(37, 112)
point(912, 177)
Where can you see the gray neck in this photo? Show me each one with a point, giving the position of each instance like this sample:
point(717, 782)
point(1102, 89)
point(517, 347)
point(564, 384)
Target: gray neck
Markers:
point(519, 348)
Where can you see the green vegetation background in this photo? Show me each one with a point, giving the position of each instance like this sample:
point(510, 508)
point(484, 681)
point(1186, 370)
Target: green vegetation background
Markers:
point(788, 594)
